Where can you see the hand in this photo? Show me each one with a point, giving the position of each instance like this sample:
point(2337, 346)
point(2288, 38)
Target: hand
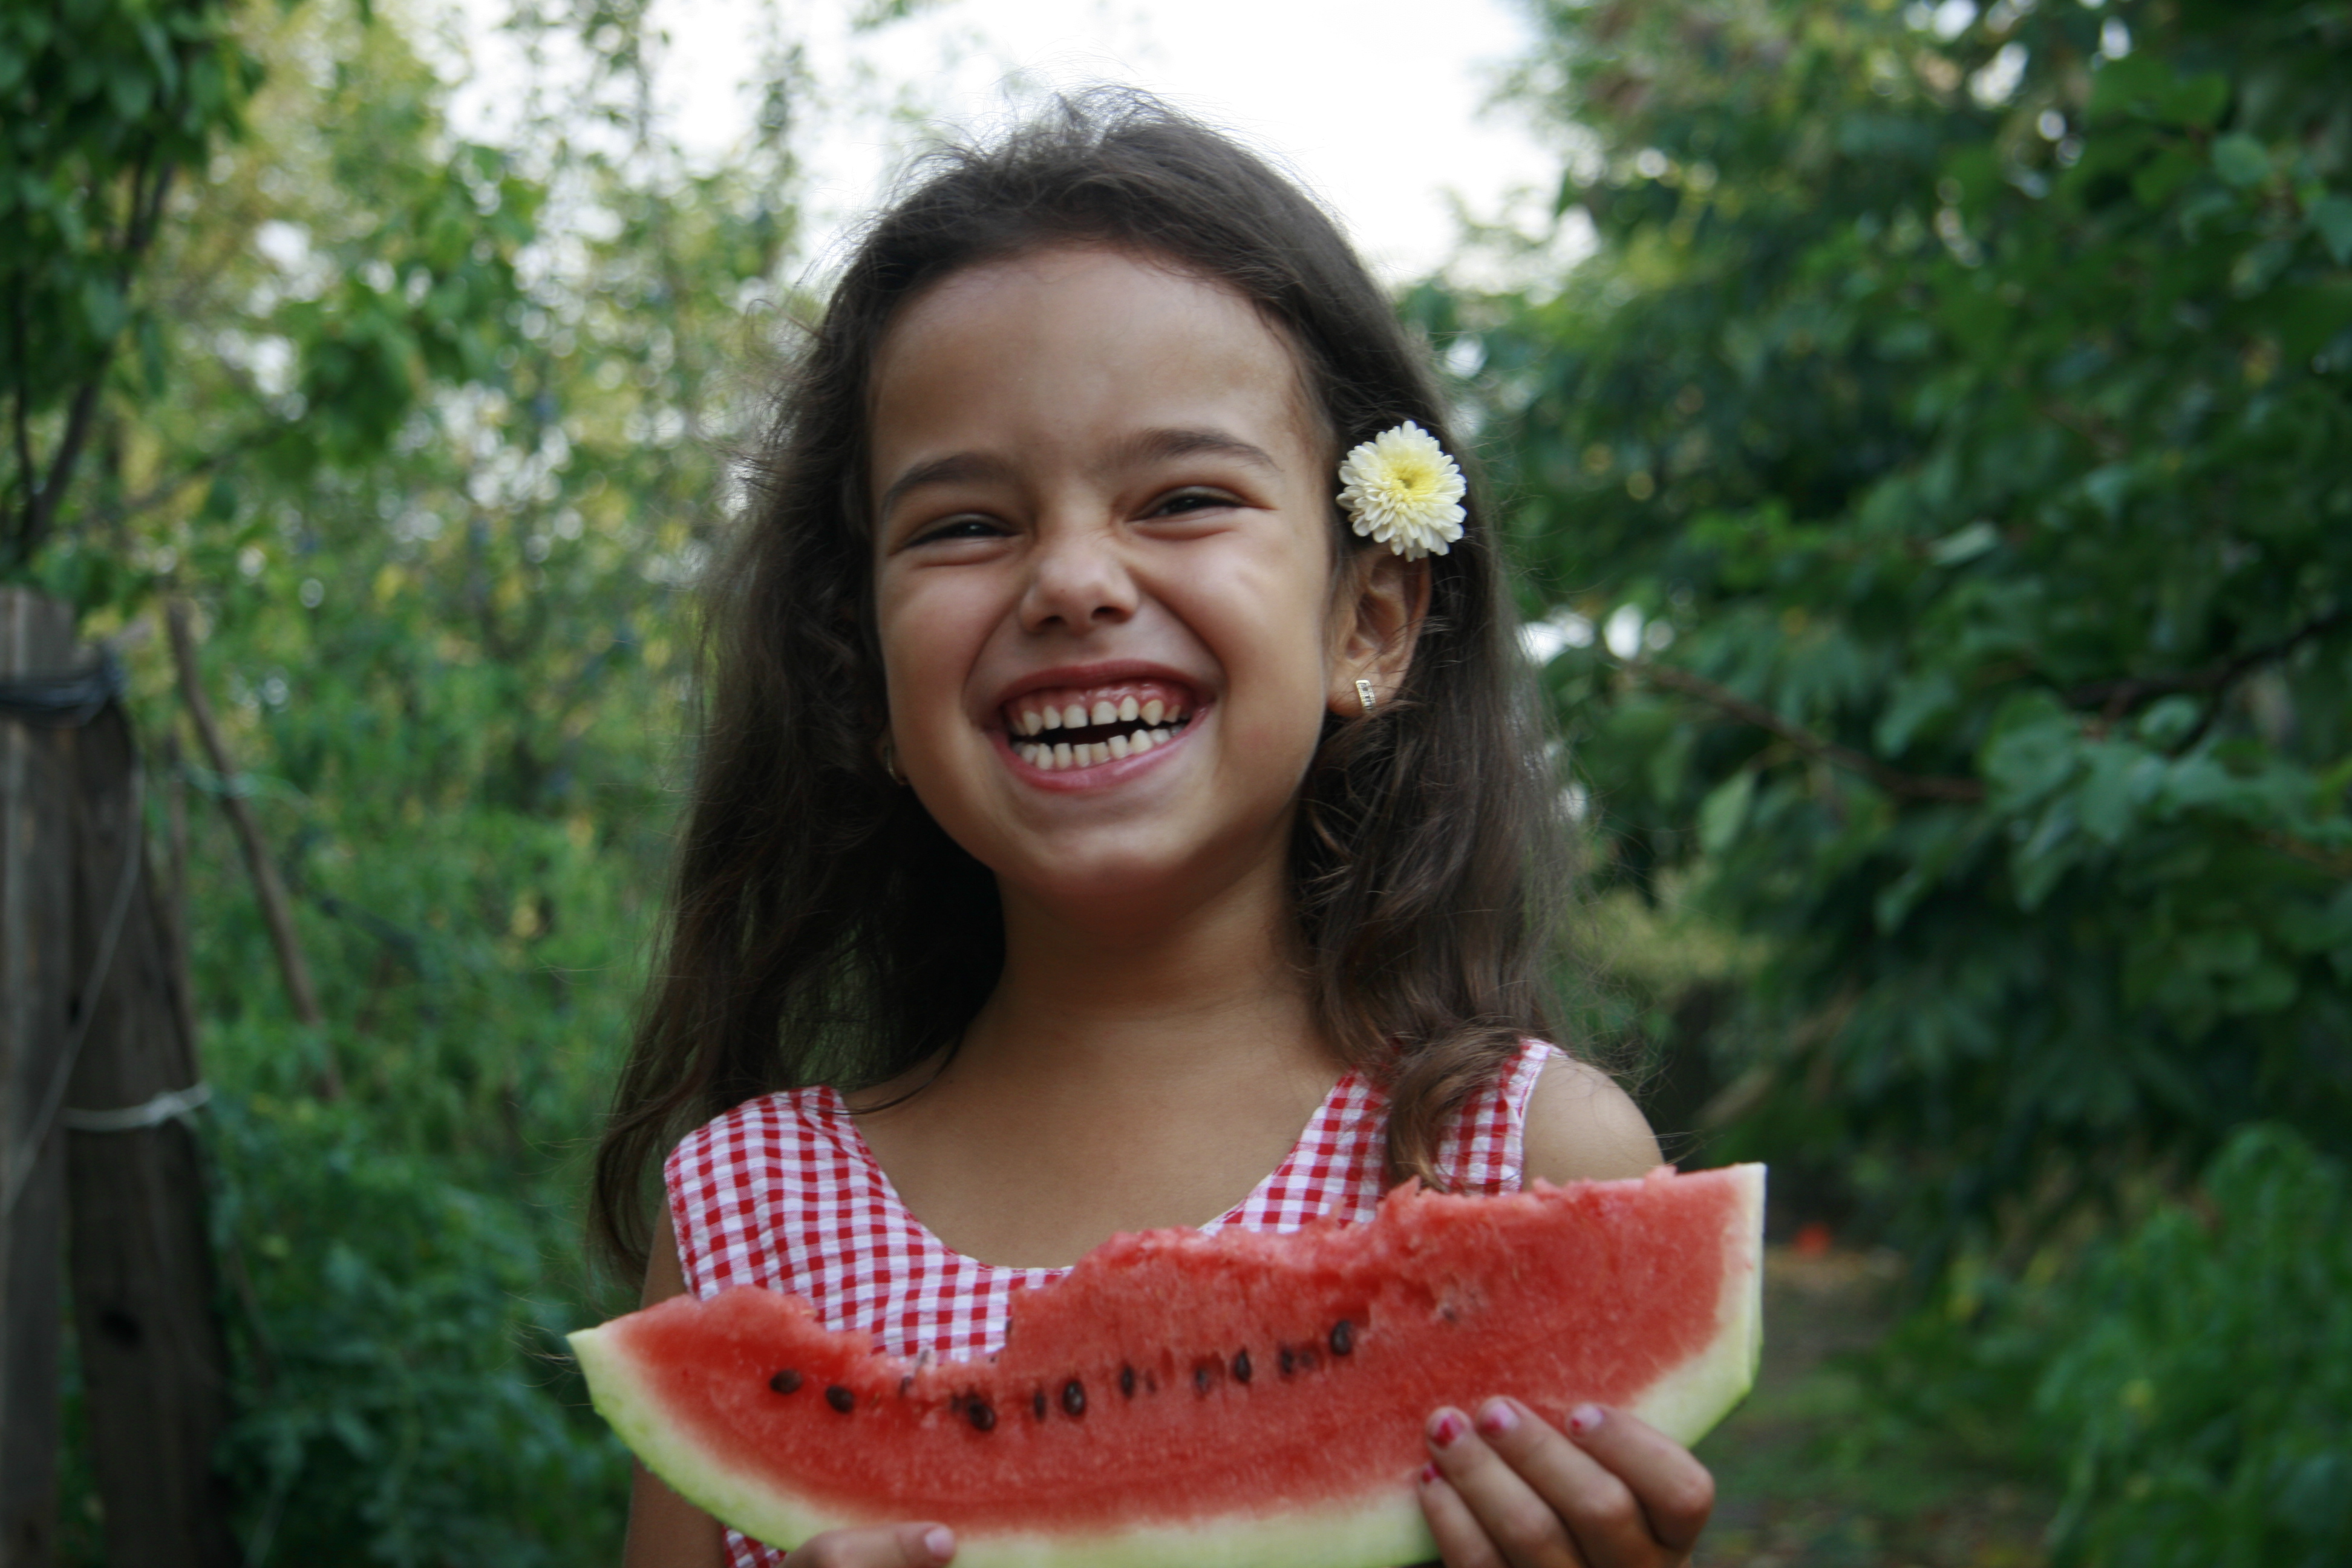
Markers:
point(882, 1546)
point(1513, 1491)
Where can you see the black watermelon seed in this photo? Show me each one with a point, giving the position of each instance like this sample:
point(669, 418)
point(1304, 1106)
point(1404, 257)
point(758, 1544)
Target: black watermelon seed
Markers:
point(1073, 1397)
point(1037, 1404)
point(1200, 1379)
point(981, 1415)
point(1242, 1367)
point(1127, 1381)
point(841, 1399)
point(785, 1382)
point(1343, 1337)
point(1287, 1361)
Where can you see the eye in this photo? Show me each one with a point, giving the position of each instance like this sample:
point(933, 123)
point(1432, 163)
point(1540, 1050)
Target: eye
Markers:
point(1182, 502)
point(959, 528)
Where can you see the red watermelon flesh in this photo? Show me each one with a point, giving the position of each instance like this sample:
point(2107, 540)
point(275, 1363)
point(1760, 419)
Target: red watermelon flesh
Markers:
point(1234, 1398)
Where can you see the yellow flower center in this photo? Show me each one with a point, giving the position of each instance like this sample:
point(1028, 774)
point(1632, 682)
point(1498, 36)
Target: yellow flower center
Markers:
point(1415, 477)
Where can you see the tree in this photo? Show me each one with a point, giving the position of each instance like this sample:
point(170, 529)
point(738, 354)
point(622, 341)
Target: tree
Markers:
point(1935, 484)
point(107, 106)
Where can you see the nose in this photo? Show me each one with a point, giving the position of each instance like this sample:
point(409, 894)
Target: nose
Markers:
point(1079, 580)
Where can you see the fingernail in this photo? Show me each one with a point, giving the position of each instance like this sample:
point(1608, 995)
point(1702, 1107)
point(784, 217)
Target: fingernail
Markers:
point(1584, 1418)
point(1447, 1429)
point(1428, 1474)
point(940, 1541)
point(1496, 1418)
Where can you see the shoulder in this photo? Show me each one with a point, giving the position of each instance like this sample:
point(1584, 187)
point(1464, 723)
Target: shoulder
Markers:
point(1581, 1127)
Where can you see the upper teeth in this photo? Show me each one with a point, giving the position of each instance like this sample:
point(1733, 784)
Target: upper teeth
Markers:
point(1029, 717)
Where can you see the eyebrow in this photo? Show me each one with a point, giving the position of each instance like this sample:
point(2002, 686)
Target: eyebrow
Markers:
point(1144, 447)
point(957, 469)
point(1150, 446)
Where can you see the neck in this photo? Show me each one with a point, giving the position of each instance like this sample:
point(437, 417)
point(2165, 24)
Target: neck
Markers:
point(1208, 995)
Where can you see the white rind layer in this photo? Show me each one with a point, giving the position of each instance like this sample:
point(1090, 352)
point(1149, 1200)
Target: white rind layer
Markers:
point(1687, 1402)
point(1379, 1530)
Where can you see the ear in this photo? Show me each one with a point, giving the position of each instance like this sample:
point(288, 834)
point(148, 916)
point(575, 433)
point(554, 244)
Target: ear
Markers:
point(1375, 621)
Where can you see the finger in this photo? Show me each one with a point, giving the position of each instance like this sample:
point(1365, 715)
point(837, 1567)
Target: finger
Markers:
point(1524, 1528)
point(1598, 1510)
point(1677, 1492)
point(886, 1546)
point(1461, 1541)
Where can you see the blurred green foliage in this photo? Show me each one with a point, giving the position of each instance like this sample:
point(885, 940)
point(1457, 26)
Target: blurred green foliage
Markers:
point(2189, 1380)
point(1934, 491)
point(433, 438)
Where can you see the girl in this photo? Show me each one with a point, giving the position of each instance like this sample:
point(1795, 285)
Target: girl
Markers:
point(1100, 807)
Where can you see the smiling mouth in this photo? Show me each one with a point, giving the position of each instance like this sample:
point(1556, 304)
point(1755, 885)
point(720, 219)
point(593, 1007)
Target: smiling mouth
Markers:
point(1080, 728)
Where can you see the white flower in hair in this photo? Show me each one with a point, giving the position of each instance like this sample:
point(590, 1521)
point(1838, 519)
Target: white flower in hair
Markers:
point(1401, 488)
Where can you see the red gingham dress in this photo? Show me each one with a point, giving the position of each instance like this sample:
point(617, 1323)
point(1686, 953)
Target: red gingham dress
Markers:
point(782, 1192)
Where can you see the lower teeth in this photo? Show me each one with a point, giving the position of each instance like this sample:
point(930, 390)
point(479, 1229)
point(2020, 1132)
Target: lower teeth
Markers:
point(1063, 754)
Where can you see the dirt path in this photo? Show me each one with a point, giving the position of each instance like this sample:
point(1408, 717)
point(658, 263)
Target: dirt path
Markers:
point(1805, 1479)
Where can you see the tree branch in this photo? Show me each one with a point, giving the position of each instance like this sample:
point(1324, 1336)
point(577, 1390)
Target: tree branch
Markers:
point(43, 509)
point(2089, 427)
point(2114, 698)
point(266, 885)
point(229, 450)
point(139, 227)
point(1894, 781)
point(2335, 862)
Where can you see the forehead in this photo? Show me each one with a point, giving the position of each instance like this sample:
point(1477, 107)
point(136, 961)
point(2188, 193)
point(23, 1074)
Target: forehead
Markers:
point(1075, 343)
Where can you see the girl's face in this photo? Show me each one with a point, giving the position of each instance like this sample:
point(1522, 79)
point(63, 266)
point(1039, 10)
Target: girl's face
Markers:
point(1104, 575)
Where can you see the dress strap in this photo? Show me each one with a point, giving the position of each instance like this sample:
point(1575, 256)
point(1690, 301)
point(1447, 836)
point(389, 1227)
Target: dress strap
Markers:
point(1486, 1152)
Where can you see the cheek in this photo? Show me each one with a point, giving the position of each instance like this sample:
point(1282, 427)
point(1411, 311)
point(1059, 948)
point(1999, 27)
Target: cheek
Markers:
point(1276, 646)
point(926, 654)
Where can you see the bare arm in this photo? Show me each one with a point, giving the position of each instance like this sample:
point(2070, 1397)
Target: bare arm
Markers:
point(664, 1529)
point(1583, 1127)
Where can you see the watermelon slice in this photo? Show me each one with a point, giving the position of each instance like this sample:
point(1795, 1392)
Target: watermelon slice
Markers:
point(1181, 1398)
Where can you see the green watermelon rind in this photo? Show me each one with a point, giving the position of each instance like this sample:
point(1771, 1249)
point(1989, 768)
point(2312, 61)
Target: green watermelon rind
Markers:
point(1375, 1527)
point(1382, 1530)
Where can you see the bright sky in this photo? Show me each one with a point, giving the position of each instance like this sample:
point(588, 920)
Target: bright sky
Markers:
point(1378, 105)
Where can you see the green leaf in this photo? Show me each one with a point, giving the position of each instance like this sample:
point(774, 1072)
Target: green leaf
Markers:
point(2035, 748)
point(2331, 219)
point(2121, 779)
point(1965, 544)
point(2241, 160)
point(1724, 812)
point(2169, 720)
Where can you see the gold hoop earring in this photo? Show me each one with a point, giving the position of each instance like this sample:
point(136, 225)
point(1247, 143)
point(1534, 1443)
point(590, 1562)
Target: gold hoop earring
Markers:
point(1364, 694)
point(891, 761)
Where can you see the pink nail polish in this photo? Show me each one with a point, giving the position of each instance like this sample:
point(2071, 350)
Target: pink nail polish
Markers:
point(1448, 1428)
point(1584, 1418)
point(1428, 1474)
point(1496, 1418)
point(939, 1542)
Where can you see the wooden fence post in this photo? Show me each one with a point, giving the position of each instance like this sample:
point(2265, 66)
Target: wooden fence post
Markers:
point(154, 1366)
point(98, 1074)
point(36, 978)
